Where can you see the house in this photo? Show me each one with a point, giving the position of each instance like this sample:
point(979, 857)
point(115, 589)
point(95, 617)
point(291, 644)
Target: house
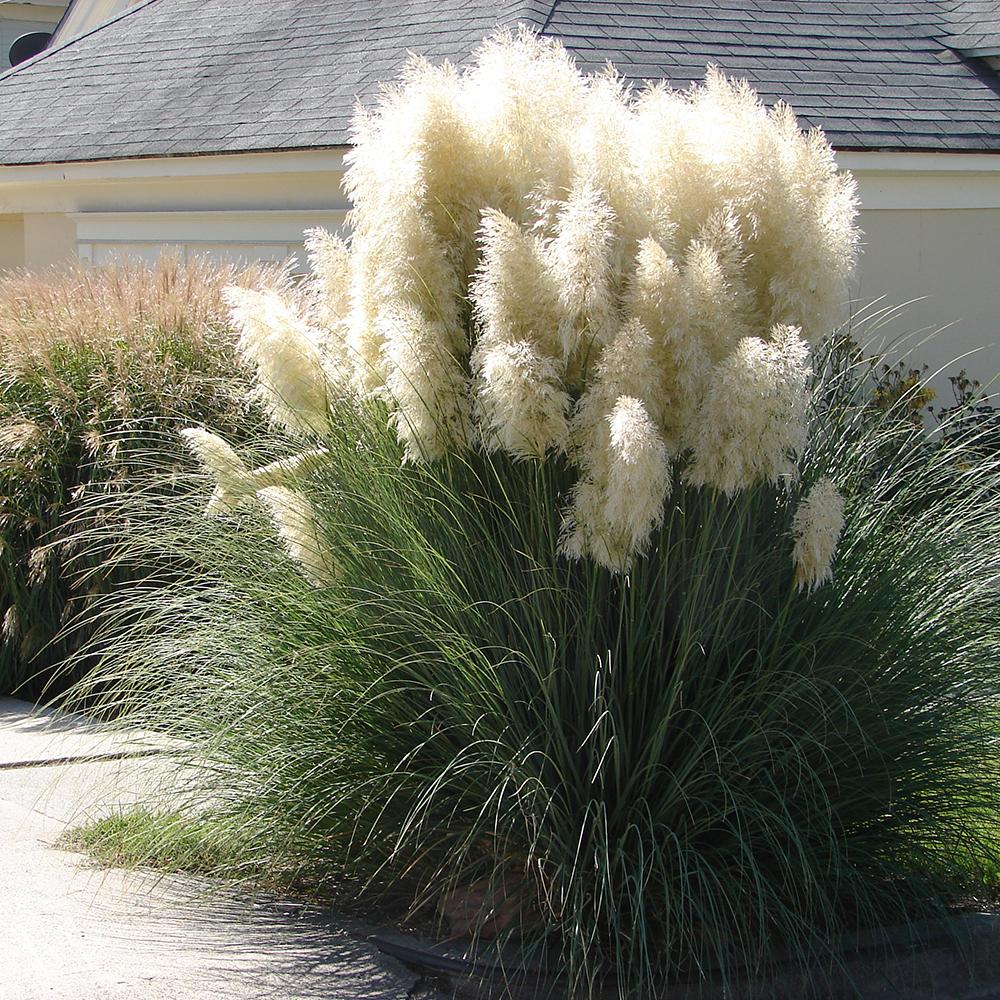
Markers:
point(86, 15)
point(25, 17)
point(219, 126)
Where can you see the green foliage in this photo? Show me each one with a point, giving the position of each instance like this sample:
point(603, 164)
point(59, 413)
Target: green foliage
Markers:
point(164, 840)
point(897, 393)
point(903, 389)
point(97, 370)
point(972, 413)
point(686, 771)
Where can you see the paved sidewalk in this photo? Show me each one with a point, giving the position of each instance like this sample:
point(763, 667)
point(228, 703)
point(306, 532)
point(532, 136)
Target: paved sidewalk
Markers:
point(74, 932)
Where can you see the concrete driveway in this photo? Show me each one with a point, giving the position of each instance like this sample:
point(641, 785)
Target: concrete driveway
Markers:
point(74, 932)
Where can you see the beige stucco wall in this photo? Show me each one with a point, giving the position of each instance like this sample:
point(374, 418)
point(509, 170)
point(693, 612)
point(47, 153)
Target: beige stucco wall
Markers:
point(246, 207)
point(946, 263)
point(11, 241)
point(49, 239)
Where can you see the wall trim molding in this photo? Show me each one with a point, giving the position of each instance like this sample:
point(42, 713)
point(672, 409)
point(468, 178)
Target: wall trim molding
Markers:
point(313, 160)
point(935, 163)
point(238, 227)
point(225, 165)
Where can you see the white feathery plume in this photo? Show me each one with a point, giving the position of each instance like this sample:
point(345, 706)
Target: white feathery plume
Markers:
point(521, 401)
point(625, 366)
point(525, 96)
point(415, 179)
point(660, 296)
point(816, 528)
point(364, 344)
point(287, 358)
point(752, 422)
point(604, 129)
point(678, 188)
point(513, 293)
point(330, 259)
point(619, 500)
point(522, 406)
point(720, 305)
point(400, 264)
point(232, 480)
point(638, 480)
point(399, 261)
point(427, 388)
point(286, 471)
point(584, 533)
point(299, 531)
point(656, 295)
point(623, 458)
point(580, 261)
point(717, 145)
point(806, 243)
point(457, 178)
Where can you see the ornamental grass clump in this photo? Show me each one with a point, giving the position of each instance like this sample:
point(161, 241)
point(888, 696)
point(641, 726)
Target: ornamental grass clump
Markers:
point(577, 595)
point(99, 367)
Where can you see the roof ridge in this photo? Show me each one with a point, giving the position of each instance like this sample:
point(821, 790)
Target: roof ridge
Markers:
point(538, 13)
point(548, 15)
point(45, 53)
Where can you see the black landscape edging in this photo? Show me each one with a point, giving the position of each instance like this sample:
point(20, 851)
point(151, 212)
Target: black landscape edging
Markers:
point(898, 941)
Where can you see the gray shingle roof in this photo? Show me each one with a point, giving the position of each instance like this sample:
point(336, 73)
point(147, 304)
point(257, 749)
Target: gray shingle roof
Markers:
point(173, 77)
point(872, 75)
point(973, 26)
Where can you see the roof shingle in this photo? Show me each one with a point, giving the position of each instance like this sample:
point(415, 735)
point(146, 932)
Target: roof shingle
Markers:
point(173, 77)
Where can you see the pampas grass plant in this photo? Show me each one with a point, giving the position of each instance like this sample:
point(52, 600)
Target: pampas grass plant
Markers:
point(691, 771)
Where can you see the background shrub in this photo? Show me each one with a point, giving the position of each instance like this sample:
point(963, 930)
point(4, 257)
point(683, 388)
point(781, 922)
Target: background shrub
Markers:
point(97, 368)
point(884, 388)
point(972, 407)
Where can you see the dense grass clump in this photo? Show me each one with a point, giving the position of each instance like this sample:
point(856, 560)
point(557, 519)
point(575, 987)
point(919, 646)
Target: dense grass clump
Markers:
point(161, 840)
point(693, 769)
point(98, 367)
